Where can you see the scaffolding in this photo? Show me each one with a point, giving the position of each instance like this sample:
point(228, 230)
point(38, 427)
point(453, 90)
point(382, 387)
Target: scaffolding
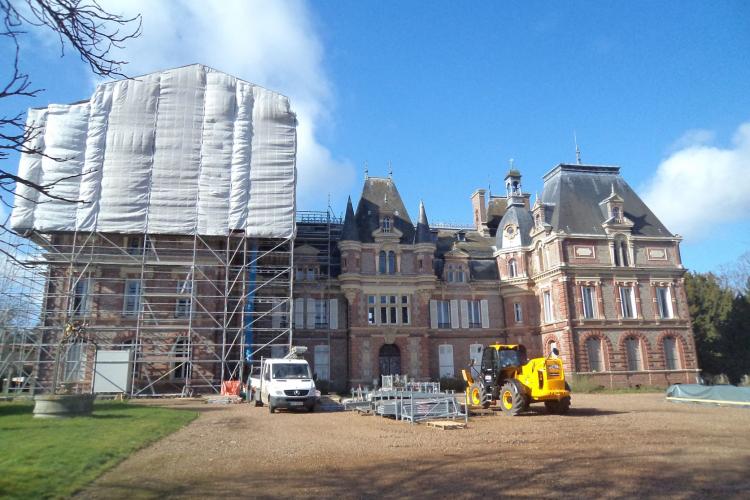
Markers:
point(316, 271)
point(192, 311)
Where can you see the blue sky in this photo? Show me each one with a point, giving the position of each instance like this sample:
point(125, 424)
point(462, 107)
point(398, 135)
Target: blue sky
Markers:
point(448, 92)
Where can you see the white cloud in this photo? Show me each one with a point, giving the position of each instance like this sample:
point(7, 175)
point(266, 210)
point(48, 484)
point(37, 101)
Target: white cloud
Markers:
point(701, 186)
point(693, 137)
point(270, 43)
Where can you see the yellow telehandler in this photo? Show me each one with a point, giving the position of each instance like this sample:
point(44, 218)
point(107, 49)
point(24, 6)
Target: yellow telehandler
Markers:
point(505, 377)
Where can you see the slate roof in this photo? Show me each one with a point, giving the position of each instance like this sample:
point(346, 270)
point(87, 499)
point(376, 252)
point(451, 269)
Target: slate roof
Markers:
point(575, 193)
point(378, 194)
point(518, 215)
point(349, 232)
point(482, 265)
point(423, 234)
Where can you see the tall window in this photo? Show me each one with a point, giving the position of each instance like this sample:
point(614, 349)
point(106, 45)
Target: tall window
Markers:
point(445, 358)
point(387, 262)
point(627, 302)
point(549, 315)
point(404, 309)
point(180, 359)
point(80, 303)
point(74, 363)
point(671, 356)
point(594, 352)
point(386, 224)
point(185, 291)
point(512, 268)
point(517, 313)
point(587, 293)
point(664, 301)
point(132, 305)
point(616, 214)
point(475, 314)
point(370, 309)
point(633, 348)
point(620, 252)
point(135, 245)
point(444, 313)
point(321, 313)
point(322, 362)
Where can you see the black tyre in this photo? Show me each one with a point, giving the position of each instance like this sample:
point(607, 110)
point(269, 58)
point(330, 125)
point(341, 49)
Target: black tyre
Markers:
point(478, 396)
point(271, 408)
point(560, 407)
point(311, 408)
point(512, 398)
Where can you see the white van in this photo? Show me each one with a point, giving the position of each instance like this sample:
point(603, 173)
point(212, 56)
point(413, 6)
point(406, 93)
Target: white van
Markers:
point(285, 383)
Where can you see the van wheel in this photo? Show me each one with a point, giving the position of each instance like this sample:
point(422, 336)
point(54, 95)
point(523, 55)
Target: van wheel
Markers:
point(271, 408)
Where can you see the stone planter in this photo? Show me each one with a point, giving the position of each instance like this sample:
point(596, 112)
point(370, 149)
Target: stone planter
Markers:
point(63, 405)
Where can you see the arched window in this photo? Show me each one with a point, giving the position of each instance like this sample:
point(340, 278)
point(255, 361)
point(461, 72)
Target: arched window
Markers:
point(538, 220)
point(616, 214)
point(391, 262)
point(386, 224)
point(594, 352)
point(635, 358)
point(382, 262)
point(512, 268)
point(671, 354)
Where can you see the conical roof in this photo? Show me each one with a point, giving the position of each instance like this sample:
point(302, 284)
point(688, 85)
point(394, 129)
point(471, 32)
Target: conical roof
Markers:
point(349, 232)
point(422, 234)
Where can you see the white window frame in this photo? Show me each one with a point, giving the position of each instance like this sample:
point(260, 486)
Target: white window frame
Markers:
point(474, 313)
point(446, 368)
point(518, 312)
point(180, 370)
point(588, 301)
point(321, 314)
point(664, 303)
point(549, 312)
point(627, 302)
point(512, 268)
point(443, 314)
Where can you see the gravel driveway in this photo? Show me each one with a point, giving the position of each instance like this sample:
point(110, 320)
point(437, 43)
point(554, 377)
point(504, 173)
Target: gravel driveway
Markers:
point(630, 445)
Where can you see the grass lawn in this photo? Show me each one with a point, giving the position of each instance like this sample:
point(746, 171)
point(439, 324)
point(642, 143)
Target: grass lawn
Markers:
point(52, 458)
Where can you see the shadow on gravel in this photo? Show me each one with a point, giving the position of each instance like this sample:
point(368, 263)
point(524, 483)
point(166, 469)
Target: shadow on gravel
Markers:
point(548, 473)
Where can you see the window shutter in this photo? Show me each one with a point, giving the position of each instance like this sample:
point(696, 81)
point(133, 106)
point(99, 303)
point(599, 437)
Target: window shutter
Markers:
point(454, 314)
point(445, 357)
point(464, 314)
point(485, 314)
point(433, 314)
point(310, 317)
point(299, 313)
point(333, 312)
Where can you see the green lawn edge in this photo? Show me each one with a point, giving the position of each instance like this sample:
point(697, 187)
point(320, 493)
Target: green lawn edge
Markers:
point(56, 458)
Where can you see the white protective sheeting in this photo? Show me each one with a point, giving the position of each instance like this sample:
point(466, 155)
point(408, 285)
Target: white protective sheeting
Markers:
point(184, 151)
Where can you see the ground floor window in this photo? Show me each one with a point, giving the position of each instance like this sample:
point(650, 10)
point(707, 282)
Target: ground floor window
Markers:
point(445, 355)
point(322, 363)
point(594, 352)
point(633, 348)
point(671, 355)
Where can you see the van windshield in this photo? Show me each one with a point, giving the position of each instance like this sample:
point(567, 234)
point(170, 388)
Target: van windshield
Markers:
point(291, 370)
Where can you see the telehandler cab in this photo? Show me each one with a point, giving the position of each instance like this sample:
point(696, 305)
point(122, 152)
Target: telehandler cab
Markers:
point(506, 377)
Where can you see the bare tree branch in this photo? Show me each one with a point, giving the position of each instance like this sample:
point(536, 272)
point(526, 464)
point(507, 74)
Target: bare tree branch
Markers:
point(83, 25)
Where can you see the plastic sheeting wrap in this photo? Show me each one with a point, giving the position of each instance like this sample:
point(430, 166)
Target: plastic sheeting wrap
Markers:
point(715, 394)
point(185, 151)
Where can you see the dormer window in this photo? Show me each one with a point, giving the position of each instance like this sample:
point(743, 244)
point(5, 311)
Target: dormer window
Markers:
point(455, 274)
point(538, 220)
point(386, 224)
point(461, 236)
point(512, 268)
point(617, 214)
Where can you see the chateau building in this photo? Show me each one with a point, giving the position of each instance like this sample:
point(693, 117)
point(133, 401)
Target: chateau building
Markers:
point(588, 268)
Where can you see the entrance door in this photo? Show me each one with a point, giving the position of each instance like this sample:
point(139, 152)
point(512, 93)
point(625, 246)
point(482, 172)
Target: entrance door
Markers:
point(390, 360)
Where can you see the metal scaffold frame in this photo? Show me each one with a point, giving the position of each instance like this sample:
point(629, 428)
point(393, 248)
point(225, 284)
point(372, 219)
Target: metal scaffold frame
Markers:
point(193, 311)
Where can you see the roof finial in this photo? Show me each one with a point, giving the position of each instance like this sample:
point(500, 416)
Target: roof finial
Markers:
point(578, 150)
point(511, 163)
point(613, 189)
point(390, 170)
point(367, 171)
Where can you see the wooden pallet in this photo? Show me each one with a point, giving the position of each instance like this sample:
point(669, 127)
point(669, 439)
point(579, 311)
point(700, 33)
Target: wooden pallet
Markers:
point(446, 424)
